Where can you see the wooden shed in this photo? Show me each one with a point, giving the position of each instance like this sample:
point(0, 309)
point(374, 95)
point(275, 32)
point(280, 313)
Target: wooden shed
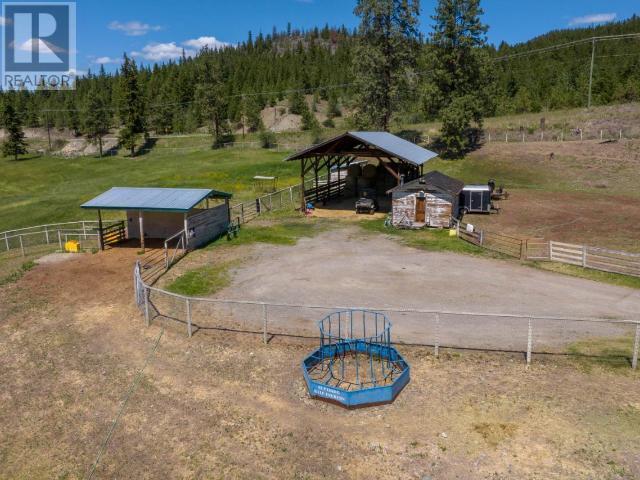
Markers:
point(428, 201)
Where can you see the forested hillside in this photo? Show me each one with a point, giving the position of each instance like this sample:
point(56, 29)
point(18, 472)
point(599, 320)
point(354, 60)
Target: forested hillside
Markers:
point(177, 96)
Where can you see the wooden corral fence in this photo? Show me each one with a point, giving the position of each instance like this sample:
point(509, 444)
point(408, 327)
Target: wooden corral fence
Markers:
point(612, 261)
point(113, 233)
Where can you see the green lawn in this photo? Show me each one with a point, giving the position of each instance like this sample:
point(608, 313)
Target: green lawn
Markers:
point(38, 190)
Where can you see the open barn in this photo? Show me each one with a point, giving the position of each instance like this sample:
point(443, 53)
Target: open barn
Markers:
point(359, 164)
point(429, 201)
point(193, 216)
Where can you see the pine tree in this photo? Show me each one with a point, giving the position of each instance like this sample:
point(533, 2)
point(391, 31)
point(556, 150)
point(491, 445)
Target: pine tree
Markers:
point(297, 103)
point(457, 90)
point(211, 100)
point(96, 119)
point(15, 144)
point(385, 58)
point(131, 106)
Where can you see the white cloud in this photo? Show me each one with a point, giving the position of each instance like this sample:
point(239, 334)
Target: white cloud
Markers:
point(133, 28)
point(105, 60)
point(158, 52)
point(594, 18)
point(201, 42)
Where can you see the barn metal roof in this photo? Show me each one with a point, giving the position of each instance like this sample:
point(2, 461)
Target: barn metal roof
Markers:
point(386, 142)
point(432, 181)
point(152, 199)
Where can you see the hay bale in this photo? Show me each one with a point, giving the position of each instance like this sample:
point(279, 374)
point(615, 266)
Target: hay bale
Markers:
point(354, 171)
point(369, 171)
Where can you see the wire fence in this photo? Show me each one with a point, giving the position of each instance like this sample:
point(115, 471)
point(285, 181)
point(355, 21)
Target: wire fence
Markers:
point(526, 334)
point(22, 241)
point(528, 135)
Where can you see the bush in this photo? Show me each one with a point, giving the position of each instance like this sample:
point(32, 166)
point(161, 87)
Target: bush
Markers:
point(329, 123)
point(267, 139)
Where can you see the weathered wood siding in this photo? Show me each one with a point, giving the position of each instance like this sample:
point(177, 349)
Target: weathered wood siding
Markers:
point(206, 225)
point(403, 204)
point(439, 208)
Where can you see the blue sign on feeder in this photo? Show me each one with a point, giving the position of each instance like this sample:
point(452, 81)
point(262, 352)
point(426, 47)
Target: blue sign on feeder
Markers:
point(355, 365)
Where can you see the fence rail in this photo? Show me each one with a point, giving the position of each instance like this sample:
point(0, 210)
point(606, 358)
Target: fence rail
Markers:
point(527, 334)
point(21, 240)
point(595, 258)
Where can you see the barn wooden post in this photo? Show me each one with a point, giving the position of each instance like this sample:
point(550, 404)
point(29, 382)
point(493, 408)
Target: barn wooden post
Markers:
point(186, 231)
point(100, 237)
point(141, 224)
point(303, 204)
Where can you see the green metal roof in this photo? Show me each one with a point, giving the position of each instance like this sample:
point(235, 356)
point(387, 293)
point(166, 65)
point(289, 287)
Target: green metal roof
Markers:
point(152, 199)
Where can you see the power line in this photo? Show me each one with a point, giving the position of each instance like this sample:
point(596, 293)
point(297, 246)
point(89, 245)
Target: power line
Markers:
point(567, 45)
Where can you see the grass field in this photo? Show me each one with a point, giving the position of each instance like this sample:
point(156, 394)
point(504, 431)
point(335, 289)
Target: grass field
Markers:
point(39, 190)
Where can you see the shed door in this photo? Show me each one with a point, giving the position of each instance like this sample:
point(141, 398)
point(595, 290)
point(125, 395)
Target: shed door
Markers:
point(476, 201)
point(421, 204)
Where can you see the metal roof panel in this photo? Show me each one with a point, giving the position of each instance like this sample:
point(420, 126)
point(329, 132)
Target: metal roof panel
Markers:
point(396, 146)
point(156, 199)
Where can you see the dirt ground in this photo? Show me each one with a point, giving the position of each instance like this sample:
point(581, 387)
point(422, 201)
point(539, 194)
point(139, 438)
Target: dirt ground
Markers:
point(345, 268)
point(223, 405)
point(590, 195)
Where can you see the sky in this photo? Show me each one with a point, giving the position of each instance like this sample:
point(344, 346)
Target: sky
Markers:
point(157, 30)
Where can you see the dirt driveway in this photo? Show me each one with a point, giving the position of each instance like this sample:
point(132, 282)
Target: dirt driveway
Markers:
point(343, 267)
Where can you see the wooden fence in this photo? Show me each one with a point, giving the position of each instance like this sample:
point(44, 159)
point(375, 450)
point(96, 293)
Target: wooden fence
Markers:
point(613, 261)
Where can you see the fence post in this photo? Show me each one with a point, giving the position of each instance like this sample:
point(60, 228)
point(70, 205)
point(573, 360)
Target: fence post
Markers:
point(59, 240)
point(189, 317)
point(529, 342)
point(271, 202)
point(242, 211)
point(46, 234)
point(21, 245)
point(6, 240)
point(542, 136)
point(522, 137)
point(600, 134)
point(146, 304)
point(436, 348)
point(481, 237)
point(264, 323)
point(636, 347)
point(84, 230)
point(506, 138)
point(584, 256)
point(489, 137)
point(523, 249)
point(291, 195)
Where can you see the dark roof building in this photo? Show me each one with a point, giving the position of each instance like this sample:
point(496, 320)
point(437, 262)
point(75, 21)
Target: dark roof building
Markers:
point(432, 182)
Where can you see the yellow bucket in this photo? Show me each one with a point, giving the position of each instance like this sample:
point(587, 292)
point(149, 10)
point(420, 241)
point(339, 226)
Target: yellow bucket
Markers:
point(72, 246)
point(452, 232)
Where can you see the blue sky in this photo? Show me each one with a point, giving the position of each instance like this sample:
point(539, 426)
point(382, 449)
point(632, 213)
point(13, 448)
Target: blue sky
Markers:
point(157, 30)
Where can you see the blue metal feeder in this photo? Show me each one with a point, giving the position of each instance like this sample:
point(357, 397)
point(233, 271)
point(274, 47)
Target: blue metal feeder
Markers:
point(355, 365)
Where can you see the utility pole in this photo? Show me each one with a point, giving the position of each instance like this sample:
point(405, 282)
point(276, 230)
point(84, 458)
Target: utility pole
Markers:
point(593, 59)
